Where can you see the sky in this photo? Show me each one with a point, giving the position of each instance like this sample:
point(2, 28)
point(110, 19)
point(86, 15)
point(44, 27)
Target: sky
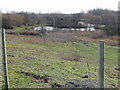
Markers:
point(61, 6)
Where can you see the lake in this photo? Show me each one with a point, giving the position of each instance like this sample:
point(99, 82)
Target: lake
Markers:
point(49, 28)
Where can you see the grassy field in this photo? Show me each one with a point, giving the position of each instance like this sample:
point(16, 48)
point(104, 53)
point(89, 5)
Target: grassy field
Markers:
point(57, 59)
point(24, 28)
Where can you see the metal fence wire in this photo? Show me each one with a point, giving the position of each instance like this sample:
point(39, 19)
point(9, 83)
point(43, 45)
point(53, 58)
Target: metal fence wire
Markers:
point(57, 59)
point(0, 60)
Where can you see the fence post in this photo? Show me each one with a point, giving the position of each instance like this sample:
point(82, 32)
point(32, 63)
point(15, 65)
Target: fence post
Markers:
point(101, 64)
point(4, 60)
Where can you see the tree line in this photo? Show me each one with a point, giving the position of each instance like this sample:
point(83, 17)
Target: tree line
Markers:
point(98, 17)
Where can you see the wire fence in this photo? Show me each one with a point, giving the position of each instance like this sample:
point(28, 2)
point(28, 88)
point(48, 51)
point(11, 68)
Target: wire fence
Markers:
point(57, 59)
point(0, 60)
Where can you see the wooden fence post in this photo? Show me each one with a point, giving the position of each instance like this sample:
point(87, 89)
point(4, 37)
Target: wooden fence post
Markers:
point(101, 64)
point(4, 60)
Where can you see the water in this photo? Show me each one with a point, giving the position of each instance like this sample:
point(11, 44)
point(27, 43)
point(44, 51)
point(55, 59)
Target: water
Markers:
point(49, 28)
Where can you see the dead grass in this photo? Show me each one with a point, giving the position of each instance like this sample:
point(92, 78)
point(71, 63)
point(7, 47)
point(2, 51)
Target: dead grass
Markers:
point(107, 40)
point(56, 37)
point(97, 36)
point(92, 34)
point(29, 39)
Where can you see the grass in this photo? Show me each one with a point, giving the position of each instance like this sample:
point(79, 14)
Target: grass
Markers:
point(58, 61)
point(24, 28)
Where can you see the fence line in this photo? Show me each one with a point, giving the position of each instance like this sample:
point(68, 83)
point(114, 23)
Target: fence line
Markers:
point(4, 61)
point(5, 69)
point(101, 64)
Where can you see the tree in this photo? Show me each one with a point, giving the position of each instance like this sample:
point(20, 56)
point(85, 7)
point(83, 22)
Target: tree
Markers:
point(9, 21)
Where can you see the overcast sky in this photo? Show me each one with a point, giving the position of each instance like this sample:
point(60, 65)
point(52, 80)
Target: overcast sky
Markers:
point(62, 6)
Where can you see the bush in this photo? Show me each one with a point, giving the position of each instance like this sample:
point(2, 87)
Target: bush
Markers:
point(111, 30)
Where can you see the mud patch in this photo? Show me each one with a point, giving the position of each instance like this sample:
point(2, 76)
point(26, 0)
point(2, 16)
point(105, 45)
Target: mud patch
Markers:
point(77, 84)
point(56, 85)
point(113, 76)
point(10, 55)
point(82, 84)
point(33, 33)
point(43, 79)
point(117, 68)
